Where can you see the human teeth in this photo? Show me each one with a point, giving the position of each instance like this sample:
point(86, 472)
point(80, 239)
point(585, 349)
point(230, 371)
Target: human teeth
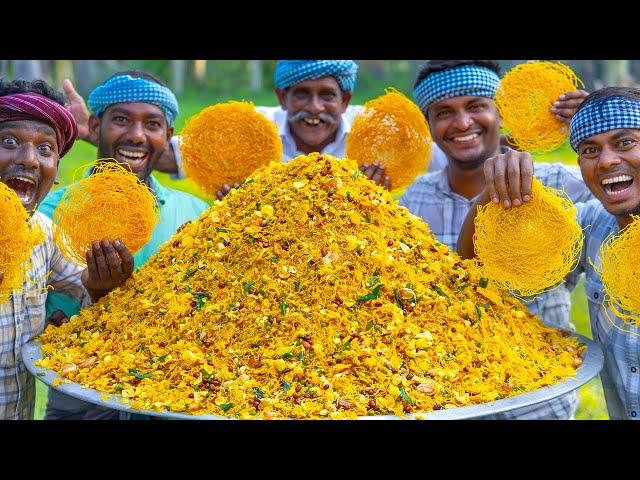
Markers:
point(619, 178)
point(128, 153)
point(312, 121)
point(466, 138)
point(25, 179)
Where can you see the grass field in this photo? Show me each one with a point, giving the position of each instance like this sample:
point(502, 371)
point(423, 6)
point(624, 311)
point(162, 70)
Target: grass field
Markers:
point(592, 405)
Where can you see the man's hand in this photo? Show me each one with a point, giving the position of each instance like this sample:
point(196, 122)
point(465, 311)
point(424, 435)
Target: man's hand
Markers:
point(508, 177)
point(224, 191)
point(108, 266)
point(565, 107)
point(58, 318)
point(80, 112)
point(375, 173)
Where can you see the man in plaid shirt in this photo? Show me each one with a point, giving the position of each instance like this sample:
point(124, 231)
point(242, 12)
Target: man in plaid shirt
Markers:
point(605, 131)
point(36, 130)
point(456, 97)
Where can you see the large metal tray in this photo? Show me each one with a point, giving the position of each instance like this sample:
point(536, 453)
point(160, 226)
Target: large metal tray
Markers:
point(592, 364)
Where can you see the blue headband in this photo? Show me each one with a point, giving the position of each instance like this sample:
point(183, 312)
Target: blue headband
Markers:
point(127, 89)
point(472, 80)
point(289, 72)
point(602, 116)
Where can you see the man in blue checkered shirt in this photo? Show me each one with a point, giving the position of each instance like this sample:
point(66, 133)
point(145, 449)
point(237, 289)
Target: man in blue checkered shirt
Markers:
point(456, 97)
point(605, 131)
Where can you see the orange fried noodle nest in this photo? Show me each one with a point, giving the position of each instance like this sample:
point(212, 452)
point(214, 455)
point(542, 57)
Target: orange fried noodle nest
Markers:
point(227, 142)
point(391, 130)
point(110, 203)
point(18, 236)
point(620, 256)
point(524, 97)
point(530, 248)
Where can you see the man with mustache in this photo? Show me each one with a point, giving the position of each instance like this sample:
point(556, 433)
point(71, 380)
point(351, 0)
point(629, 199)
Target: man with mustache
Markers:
point(132, 122)
point(36, 130)
point(605, 132)
point(456, 97)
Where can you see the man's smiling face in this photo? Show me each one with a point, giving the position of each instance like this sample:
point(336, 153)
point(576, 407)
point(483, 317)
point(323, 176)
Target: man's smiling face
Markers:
point(132, 133)
point(313, 110)
point(466, 128)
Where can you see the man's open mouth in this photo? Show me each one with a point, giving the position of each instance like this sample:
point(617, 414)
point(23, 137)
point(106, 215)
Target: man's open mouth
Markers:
point(617, 185)
point(132, 157)
point(25, 187)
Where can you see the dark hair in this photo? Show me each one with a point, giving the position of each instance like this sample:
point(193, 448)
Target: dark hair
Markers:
point(603, 94)
point(433, 66)
point(137, 74)
point(35, 86)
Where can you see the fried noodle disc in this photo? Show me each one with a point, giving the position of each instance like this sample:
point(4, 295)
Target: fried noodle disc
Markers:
point(530, 248)
point(110, 203)
point(391, 130)
point(18, 237)
point(524, 97)
point(226, 143)
point(620, 257)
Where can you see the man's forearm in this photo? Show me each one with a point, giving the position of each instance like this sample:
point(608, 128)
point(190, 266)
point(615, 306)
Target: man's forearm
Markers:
point(465, 239)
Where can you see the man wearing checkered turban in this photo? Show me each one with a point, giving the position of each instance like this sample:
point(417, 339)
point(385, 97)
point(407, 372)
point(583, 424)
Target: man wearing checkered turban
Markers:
point(605, 132)
point(36, 130)
point(456, 97)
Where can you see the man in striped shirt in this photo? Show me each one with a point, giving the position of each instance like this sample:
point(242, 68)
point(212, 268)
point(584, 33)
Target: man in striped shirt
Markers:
point(605, 132)
point(456, 97)
point(36, 130)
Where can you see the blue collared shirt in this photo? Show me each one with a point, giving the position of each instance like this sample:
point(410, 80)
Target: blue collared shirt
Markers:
point(621, 372)
point(431, 198)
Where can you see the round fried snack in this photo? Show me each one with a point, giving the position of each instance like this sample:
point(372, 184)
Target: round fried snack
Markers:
point(391, 130)
point(17, 239)
point(620, 256)
point(226, 143)
point(110, 203)
point(530, 248)
point(524, 97)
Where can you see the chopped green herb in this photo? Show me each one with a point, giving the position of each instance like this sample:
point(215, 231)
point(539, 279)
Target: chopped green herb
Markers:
point(222, 230)
point(286, 385)
point(375, 293)
point(225, 407)
point(478, 312)
point(200, 298)
point(190, 273)
point(248, 286)
point(398, 299)
point(297, 285)
point(275, 259)
point(284, 308)
point(258, 393)
point(405, 397)
point(134, 372)
point(484, 282)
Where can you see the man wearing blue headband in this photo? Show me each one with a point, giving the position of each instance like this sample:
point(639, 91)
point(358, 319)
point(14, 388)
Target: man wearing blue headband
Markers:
point(456, 97)
point(132, 122)
point(605, 132)
point(314, 114)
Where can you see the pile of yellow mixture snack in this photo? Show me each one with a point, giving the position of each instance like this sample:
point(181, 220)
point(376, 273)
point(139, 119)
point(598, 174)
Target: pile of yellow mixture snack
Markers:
point(308, 293)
